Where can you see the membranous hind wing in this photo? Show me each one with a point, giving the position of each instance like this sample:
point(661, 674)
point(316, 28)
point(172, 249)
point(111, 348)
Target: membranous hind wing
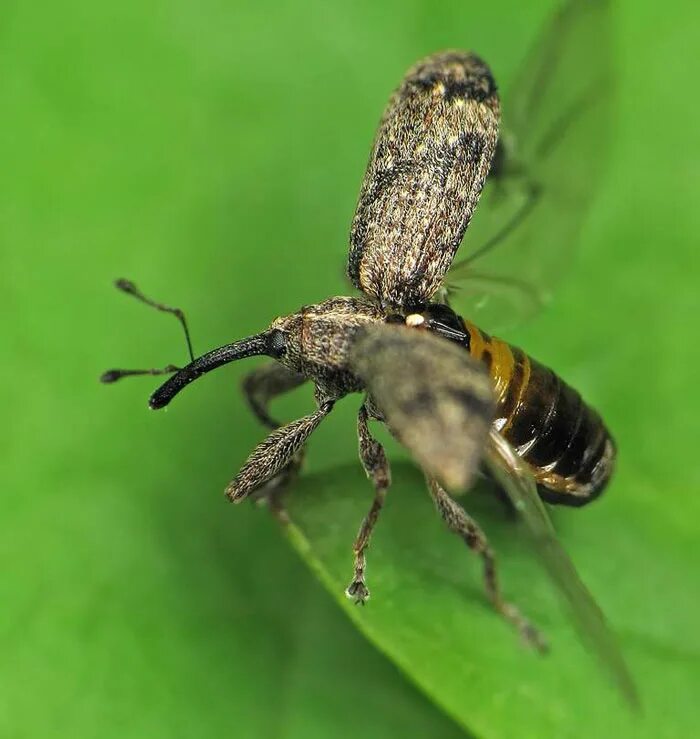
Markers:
point(431, 156)
point(438, 401)
point(515, 479)
point(552, 153)
point(433, 396)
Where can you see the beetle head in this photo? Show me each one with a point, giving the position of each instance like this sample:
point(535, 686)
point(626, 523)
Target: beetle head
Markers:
point(315, 341)
point(318, 339)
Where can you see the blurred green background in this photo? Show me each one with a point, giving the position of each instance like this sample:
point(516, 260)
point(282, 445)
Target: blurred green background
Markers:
point(213, 152)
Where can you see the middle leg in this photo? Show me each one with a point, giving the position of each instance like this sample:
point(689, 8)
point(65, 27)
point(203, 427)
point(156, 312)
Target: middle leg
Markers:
point(377, 468)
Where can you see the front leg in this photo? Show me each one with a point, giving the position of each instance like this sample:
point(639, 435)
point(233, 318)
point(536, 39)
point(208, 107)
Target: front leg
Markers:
point(271, 456)
point(377, 468)
point(264, 384)
point(260, 387)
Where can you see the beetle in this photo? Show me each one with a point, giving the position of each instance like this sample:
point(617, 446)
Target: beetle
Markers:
point(453, 395)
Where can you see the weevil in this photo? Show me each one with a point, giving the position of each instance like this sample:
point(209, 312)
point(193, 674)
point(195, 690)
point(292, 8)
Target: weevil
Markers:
point(453, 395)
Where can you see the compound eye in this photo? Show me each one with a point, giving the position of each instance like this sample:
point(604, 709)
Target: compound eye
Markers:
point(277, 344)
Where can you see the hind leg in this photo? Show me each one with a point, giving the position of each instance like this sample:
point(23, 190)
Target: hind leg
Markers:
point(461, 523)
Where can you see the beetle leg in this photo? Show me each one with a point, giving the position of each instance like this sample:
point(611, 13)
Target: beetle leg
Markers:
point(377, 468)
point(461, 523)
point(264, 384)
point(271, 456)
point(260, 387)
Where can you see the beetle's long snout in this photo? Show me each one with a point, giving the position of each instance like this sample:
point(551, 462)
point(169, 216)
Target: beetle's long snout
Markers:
point(271, 343)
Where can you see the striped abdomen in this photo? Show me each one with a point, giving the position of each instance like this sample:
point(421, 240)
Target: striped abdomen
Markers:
point(563, 440)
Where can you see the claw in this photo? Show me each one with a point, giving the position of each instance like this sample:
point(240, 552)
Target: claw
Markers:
point(358, 592)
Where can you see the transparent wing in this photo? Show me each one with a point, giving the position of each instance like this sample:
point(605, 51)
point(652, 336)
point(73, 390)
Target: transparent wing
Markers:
point(513, 476)
point(436, 399)
point(552, 153)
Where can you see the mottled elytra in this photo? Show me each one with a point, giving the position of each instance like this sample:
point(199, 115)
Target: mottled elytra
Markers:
point(454, 396)
point(431, 156)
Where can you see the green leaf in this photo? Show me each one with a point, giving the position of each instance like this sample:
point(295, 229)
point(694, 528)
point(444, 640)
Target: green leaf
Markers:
point(212, 152)
point(429, 614)
point(134, 609)
point(623, 331)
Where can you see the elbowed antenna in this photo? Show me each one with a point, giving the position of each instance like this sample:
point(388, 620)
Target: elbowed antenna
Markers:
point(271, 343)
